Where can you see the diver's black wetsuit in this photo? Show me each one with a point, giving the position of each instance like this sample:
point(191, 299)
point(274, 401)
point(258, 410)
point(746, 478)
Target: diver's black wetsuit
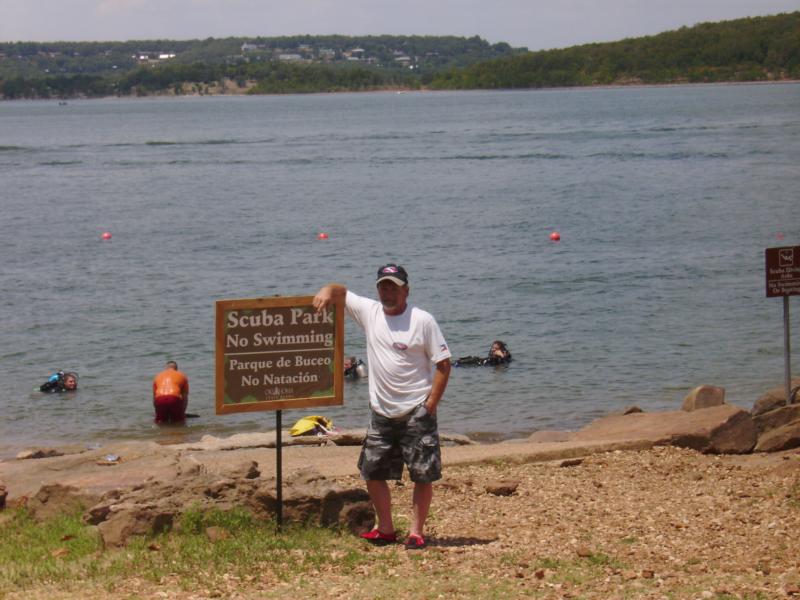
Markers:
point(56, 383)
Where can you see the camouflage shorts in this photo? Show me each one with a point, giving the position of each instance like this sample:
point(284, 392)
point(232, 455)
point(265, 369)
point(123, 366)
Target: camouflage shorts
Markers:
point(412, 439)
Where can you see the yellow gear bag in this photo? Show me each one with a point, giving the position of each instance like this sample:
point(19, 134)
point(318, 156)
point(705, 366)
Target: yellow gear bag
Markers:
point(310, 425)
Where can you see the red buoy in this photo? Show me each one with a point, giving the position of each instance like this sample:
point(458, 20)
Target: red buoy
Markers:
point(106, 235)
point(322, 236)
point(555, 236)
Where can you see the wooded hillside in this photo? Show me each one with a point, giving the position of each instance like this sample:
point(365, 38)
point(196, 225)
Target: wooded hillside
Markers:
point(750, 49)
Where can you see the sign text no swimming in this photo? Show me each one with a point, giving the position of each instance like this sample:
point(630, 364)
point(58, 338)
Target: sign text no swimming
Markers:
point(277, 354)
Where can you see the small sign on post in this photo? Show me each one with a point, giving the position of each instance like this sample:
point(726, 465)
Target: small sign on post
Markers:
point(783, 280)
point(783, 271)
point(275, 354)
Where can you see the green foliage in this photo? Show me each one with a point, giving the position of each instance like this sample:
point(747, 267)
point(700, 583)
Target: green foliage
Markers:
point(429, 53)
point(751, 49)
point(90, 69)
point(68, 554)
point(56, 550)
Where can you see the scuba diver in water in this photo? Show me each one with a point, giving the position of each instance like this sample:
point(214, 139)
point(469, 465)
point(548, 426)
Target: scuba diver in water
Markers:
point(498, 355)
point(60, 382)
point(354, 368)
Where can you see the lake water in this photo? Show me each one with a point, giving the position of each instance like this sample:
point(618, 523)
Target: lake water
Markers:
point(665, 199)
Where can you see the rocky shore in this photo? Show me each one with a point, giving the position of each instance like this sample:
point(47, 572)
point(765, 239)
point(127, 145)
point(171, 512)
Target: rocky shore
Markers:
point(643, 505)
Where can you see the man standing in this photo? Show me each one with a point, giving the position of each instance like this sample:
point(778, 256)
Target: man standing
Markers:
point(409, 366)
point(170, 394)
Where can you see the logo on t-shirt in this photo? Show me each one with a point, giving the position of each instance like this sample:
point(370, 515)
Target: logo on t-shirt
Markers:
point(399, 346)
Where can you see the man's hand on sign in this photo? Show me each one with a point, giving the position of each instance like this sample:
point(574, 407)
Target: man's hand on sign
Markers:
point(327, 295)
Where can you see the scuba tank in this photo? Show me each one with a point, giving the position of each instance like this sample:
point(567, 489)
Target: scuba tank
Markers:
point(54, 383)
point(361, 369)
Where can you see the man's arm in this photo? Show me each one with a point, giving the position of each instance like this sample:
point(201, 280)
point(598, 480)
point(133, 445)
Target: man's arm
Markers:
point(329, 294)
point(440, 377)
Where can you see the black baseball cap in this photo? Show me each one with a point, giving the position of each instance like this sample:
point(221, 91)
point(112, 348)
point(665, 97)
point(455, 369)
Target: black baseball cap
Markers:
point(394, 273)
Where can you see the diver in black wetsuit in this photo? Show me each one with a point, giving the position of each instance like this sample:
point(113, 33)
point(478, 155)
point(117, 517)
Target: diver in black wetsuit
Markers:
point(60, 382)
point(354, 368)
point(498, 355)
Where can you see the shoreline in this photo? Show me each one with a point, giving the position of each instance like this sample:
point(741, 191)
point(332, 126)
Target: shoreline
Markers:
point(406, 90)
point(711, 428)
point(617, 510)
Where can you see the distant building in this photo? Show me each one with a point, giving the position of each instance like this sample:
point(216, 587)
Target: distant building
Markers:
point(249, 47)
point(152, 57)
point(289, 57)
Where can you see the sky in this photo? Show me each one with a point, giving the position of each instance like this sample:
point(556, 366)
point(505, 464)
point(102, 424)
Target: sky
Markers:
point(536, 24)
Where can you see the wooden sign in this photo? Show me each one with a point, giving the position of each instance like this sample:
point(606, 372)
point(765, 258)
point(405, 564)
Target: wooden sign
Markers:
point(277, 354)
point(783, 271)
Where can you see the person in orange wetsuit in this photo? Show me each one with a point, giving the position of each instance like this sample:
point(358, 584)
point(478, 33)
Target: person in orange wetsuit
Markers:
point(170, 394)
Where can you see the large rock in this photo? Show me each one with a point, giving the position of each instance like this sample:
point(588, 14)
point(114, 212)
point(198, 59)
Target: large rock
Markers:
point(704, 396)
point(773, 398)
point(785, 437)
point(311, 498)
point(723, 429)
point(135, 519)
point(778, 417)
point(56, 499)
point(157, 505)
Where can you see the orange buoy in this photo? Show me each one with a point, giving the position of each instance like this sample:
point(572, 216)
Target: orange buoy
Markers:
point(322, 236)
point(106, 235)
point(555, 236)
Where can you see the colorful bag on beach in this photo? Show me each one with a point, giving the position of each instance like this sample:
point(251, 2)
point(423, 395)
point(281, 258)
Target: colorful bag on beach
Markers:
point(312, 425)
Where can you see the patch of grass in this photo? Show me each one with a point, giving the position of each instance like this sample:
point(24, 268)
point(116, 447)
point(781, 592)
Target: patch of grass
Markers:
point(56, 551)
point(67, 552)
point(580, 571)
point(548, 563)
point(601, 560)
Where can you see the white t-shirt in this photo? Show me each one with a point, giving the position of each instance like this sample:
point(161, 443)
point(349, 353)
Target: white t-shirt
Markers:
point(402, 352)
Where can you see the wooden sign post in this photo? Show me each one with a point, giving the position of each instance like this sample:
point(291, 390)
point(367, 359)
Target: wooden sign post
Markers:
point(276, 354)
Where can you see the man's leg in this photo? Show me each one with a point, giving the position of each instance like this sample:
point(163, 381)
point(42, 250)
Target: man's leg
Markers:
point(422, 455)
point(381, 497)
point(423, 494)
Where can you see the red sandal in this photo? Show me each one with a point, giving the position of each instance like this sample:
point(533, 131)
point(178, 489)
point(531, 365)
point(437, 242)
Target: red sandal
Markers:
point(415, 542)
point(379, 539)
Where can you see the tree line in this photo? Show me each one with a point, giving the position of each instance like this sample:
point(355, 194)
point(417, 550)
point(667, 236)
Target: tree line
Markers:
point(750, 49)
point(264, 78)
point(42, 59)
